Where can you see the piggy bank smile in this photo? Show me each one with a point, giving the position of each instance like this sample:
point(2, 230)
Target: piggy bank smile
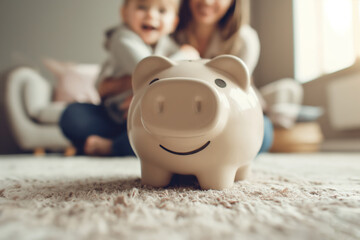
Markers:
point(187, 153)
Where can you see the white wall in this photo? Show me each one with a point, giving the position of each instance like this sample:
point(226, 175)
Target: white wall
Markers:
point(62, 29)
point(273, 21)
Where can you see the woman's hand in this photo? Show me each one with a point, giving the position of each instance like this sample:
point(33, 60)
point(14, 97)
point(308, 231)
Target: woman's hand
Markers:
point(190, 52)
point(114, 85)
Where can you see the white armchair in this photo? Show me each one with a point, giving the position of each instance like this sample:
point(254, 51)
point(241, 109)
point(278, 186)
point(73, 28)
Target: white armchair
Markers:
point(32, 115)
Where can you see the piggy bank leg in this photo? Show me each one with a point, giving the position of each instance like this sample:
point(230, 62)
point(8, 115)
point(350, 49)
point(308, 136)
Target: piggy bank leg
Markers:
point(218, 179)
point(243, 172)
point(154, 176)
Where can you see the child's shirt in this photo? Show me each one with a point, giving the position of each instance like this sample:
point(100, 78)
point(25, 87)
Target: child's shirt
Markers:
point(126, 50)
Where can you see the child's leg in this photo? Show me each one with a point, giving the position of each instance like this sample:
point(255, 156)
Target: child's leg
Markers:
point(119, 146)
point(98, 146)
point(81, 120)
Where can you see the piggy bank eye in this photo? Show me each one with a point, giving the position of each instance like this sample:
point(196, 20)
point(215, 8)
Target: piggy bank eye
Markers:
point(220, 83)
point(156, 79)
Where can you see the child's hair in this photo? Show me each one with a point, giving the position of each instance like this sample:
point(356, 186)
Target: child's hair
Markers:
point(109, 32)
point(108, 35)
point(125, 2)
point(229, 25)
point(176, 2)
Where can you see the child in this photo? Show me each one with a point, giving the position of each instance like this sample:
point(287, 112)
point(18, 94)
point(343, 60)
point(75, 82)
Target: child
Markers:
point(144, 32)
point(101, 129)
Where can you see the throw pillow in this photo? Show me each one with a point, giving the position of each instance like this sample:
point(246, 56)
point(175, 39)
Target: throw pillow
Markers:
point(75, 82)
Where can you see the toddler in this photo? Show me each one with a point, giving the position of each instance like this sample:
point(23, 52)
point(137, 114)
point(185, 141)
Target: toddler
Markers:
point(144, 31)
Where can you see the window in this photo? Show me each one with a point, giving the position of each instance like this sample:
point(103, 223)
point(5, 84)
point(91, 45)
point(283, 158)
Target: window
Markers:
point(327, 36)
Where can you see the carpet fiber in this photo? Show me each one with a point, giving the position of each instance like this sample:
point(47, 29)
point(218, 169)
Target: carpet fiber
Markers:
point(305, 196)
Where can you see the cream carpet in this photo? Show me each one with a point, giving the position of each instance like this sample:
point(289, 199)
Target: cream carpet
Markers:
point(305, 196)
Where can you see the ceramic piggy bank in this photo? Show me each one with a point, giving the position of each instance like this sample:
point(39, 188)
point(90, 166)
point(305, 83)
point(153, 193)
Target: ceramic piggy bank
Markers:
point(197, 118)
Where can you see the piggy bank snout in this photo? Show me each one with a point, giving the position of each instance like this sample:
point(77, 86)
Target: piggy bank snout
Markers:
point(180, 108)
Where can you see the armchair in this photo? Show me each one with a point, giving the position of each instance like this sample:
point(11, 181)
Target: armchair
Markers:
point(32, 115)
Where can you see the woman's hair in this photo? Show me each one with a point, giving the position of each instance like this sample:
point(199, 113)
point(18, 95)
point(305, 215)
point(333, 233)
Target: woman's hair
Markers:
point(229, 25)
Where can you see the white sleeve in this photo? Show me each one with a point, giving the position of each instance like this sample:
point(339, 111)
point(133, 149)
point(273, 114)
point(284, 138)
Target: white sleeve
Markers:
point(169, 48)
point(127, 50)
point(250, 51)
point(179, 56)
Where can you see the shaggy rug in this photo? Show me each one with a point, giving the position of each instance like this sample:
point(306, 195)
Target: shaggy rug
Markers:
point(290, 196)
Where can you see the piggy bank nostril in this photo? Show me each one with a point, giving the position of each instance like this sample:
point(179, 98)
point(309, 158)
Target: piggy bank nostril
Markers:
point(198, 107)
point(160, 105)
point(198, 104)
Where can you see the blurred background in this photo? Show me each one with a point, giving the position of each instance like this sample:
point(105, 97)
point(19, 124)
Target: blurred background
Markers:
point(315, 42)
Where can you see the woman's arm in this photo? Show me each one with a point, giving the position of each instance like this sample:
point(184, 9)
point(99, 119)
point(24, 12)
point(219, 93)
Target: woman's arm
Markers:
point(250, 54)
point(250, 51)
point(114, 85)
point(186, 52)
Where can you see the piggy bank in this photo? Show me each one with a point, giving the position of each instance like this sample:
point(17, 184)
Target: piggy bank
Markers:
point(197, 118)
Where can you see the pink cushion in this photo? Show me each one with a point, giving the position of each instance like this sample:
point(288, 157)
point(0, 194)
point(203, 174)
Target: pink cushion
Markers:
point(75, 82)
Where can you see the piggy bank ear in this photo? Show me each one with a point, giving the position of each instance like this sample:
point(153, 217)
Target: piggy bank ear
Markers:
point(147, 68)
point(234, 67)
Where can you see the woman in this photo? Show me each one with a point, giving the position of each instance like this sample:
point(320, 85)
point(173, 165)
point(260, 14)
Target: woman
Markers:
point(216, 27)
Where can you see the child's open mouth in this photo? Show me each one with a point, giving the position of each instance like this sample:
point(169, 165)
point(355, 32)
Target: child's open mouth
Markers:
point(148, 27)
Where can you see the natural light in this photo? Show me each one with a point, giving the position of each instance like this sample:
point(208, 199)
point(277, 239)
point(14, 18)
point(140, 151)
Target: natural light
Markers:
point(326, 36)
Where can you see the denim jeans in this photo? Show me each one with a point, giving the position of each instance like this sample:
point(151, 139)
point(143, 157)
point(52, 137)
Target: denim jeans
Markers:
point(268, 135)
point(80, 120)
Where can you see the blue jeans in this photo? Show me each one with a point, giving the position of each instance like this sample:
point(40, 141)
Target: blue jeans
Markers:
point(80, 120)
point(268, 135)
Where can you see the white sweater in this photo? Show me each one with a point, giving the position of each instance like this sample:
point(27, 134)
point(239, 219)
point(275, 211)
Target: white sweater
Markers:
point(249, 51)
point(127, 49)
